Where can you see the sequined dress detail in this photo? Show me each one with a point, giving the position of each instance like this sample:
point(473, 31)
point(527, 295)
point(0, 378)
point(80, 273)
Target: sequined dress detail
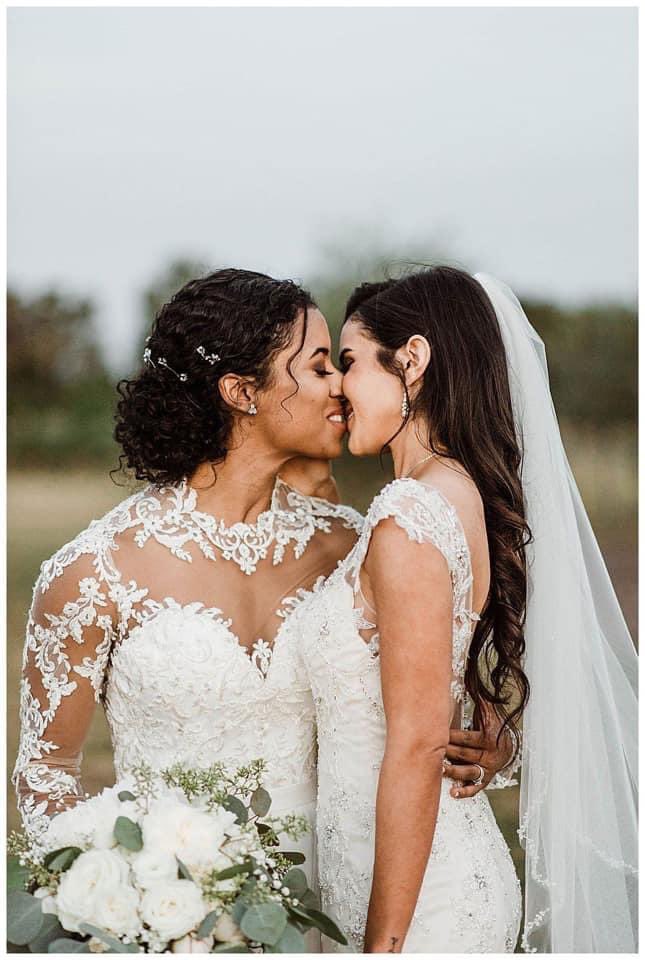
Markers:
point(470, 898)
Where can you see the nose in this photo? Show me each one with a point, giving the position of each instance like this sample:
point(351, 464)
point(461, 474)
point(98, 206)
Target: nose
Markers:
point(336, 385)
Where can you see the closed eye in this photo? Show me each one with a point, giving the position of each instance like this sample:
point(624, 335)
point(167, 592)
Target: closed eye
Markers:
point(324, 373)
point(345, 364)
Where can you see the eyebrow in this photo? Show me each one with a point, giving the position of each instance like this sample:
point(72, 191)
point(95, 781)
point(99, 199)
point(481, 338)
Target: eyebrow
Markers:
point(323, 350)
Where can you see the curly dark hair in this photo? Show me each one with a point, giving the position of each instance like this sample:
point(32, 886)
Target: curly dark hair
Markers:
point(465, 400)
point(168, 425)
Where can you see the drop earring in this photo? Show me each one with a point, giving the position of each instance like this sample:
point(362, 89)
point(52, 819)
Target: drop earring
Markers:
point(405, 406)
point(252, 409)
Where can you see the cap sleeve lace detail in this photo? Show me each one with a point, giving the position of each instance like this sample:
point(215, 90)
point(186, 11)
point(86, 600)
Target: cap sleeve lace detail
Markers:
point(427, 517)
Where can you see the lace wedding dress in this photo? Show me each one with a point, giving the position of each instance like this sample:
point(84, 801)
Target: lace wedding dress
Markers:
point(175, 623)
point(470, 900)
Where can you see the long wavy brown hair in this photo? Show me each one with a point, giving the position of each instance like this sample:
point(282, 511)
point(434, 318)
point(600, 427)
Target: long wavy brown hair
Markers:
point(465, 400)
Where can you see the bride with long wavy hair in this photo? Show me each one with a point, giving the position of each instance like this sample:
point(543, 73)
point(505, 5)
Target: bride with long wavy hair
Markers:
point(476, 579)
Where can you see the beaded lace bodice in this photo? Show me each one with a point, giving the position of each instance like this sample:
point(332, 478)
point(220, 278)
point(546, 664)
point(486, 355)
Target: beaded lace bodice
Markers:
point(337, 638)
point(175, 622)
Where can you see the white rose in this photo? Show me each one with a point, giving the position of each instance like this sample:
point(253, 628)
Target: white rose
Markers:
point(92, 875)
point(71, 828)
point(190, 944)
point(189, 833)
point(173, 908)
point(227, 931)
point(47, 901)
point(105, 809)
point(116, 911)
point(97, 946)
point(153, 866)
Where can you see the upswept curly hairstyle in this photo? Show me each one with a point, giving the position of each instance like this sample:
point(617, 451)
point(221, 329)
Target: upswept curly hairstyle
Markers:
point(166, 424)
point(465, 401)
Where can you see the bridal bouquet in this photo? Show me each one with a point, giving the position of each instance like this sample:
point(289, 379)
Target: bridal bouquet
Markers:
point(180, 861)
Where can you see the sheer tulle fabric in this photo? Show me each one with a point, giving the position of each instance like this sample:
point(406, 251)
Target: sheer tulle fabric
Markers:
point(578, 809)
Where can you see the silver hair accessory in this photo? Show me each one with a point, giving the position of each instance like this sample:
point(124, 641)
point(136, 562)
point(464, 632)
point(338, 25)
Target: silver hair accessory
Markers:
point(209, 357)
point(147, 359)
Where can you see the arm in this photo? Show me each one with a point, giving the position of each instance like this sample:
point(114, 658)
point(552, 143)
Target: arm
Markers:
point(69, 635)
point(311, 477)
point(415, 629)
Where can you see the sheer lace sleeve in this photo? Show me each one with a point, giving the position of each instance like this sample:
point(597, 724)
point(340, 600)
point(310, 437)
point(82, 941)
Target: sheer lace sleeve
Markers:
point(67, 646)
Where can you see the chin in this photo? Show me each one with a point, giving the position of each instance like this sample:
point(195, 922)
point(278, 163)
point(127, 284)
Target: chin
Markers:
point(358, 449)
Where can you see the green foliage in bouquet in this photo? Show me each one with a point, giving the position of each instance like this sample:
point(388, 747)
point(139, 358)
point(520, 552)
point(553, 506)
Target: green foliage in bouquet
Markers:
point(256, 898)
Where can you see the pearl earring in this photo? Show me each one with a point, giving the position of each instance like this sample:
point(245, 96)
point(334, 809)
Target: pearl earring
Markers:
point(405, 406)
point(252, 409)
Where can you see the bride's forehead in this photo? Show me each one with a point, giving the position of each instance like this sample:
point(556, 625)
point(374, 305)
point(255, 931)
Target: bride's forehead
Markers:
point(352, 335)
point(317, 334)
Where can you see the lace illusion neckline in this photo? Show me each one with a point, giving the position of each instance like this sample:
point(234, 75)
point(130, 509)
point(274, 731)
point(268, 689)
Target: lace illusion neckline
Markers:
point(177, 522)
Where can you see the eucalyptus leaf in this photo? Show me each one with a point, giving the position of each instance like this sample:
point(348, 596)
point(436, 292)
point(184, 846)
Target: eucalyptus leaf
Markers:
point(238, 910)
point(235, 870)
point(17, 874)
point(50, 930)
point(327, 926)
point(184, 872)
point(207, 925)
point(296, 880)
point(293, 856)
point(126, 795)
point(128, 834)
point(260, 802)
point(60, 860)
point(291, 941)
point(235, 805)
point(115, 945)
point(241, 905)
point(309, 899)
point(67, 945)
point(264, 922)
point(301, 915)
point(24, 917)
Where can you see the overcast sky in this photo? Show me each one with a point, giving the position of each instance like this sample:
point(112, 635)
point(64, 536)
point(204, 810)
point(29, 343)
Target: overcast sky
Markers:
point(257, 136)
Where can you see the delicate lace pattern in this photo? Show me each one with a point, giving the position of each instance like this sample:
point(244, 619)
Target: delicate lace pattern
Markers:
point(176, 682)
point(427, 517)
point(470, 899)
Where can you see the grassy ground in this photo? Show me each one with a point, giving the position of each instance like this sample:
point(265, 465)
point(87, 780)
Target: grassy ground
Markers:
point(45, 509)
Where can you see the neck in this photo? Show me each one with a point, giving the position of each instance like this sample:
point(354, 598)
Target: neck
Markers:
point(238, 488)
point(408, 450)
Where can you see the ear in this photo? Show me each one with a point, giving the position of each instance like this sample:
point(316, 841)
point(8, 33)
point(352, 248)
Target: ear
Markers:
point(237, 392)
point(415, 358)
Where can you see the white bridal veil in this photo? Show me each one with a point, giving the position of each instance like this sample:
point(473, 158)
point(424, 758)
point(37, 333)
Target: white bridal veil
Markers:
point(578, 799)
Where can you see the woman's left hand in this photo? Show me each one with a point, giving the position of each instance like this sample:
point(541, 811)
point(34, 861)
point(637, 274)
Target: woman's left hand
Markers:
point(469, 750)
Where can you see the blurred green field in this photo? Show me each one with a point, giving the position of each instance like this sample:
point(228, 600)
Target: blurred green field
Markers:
point(46, 508)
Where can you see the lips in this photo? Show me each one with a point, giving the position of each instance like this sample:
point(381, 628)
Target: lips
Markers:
point(337, 416)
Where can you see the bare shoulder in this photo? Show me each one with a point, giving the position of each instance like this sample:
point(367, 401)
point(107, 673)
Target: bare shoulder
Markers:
point(458, 488)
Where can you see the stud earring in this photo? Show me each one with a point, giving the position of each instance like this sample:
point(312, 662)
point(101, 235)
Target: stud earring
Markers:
point(252, 409)
point(405, 406)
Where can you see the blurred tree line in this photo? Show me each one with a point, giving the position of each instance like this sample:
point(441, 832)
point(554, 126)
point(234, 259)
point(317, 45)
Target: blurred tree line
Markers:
point(61, 396)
